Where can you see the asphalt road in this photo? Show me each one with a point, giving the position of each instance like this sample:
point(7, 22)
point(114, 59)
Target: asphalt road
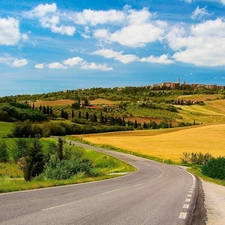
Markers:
point(157, 194)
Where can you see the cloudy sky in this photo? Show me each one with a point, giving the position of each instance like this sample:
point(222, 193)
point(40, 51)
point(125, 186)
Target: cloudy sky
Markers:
point(48, 46)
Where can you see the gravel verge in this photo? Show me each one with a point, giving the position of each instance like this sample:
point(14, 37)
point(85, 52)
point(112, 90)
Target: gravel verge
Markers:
point(214, 203)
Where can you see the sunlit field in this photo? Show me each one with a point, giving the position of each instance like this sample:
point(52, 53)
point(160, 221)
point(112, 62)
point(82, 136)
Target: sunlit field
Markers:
point(201, 97)
point(63, 102)
point(211, 112)
point(167, 144)
point(101, 101)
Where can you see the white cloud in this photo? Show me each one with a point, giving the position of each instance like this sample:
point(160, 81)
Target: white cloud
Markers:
point(163, 59)
point(49, 17)
point(42, 10)
point(223, 2)
point(86, 33)
point(132, 36)
point(39, 66)
point(109, 53)
point(73, 61)
point(95, 66)
point(138, 17)
point(137, 35)
point(199, 13)
point(176, 37)
point(188, 1)
point(68, 30)
point(12, 61)
point(204, 46)
point(10, 32)
point(92, 17)
point(136, 28)
point(56, 65)
point(19, 62)
point(128, 58)
point(101, 34)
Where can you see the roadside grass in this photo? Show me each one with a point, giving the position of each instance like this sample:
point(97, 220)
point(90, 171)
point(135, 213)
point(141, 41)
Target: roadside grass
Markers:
point(5, 128)
point(10, 185)
point(105, 167)
point(166, 144)
point(196, 170)
point(10, 170)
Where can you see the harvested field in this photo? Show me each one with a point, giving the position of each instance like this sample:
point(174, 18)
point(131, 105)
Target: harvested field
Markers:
point(101, 101)
point(63, 102)
point(168, 144)
point(200, 97)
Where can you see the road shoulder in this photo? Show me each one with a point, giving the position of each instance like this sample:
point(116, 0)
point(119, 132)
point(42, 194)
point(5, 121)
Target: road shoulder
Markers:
point(214, 203)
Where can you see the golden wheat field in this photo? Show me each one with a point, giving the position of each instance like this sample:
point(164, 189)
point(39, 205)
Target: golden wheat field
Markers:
point(101, 101)
point(167, 144)
point(63, 102)
point(201, 97)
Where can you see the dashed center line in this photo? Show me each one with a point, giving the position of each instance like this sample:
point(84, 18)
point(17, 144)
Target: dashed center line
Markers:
point(183, 215)
point(188, 200)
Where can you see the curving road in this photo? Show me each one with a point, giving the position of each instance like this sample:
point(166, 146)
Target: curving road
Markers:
point(157, 194)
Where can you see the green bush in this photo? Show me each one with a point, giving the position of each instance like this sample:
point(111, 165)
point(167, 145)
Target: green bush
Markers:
point(4, 156)
point(215, 168)
point(65, 169)
point(196, 158)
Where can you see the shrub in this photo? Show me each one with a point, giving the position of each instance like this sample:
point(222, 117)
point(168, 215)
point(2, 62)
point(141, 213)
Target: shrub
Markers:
point(215, 168)
point(20, 149)
point(4, 156)
point(34, 160)
point(65, 169)
point(196, 158)
point(22, 129)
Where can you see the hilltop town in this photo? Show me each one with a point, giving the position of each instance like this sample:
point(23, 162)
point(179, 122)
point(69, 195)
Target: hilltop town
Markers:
point(184, 86)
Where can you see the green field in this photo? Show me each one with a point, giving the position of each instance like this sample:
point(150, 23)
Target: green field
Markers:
point(5, 128)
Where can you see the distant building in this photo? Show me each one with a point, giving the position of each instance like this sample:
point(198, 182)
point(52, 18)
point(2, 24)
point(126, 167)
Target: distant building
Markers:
point(177, 85)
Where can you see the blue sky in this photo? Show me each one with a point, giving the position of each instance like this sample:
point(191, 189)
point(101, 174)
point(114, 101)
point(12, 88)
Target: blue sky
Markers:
point(48, 46)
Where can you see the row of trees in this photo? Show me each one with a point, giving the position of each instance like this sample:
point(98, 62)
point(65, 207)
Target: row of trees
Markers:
point(17, 111)
point(27, 129)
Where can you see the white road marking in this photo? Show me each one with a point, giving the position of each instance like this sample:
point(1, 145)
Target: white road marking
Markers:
point(188, 200)
point(189, 195)
point(186, 206)
point(59, 206)
point(109, 192)
point(182, 215)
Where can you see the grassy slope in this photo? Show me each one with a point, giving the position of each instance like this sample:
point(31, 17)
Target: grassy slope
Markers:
point(5, 128)
point(167, 144)
point(211, 112)
point(10, 175)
